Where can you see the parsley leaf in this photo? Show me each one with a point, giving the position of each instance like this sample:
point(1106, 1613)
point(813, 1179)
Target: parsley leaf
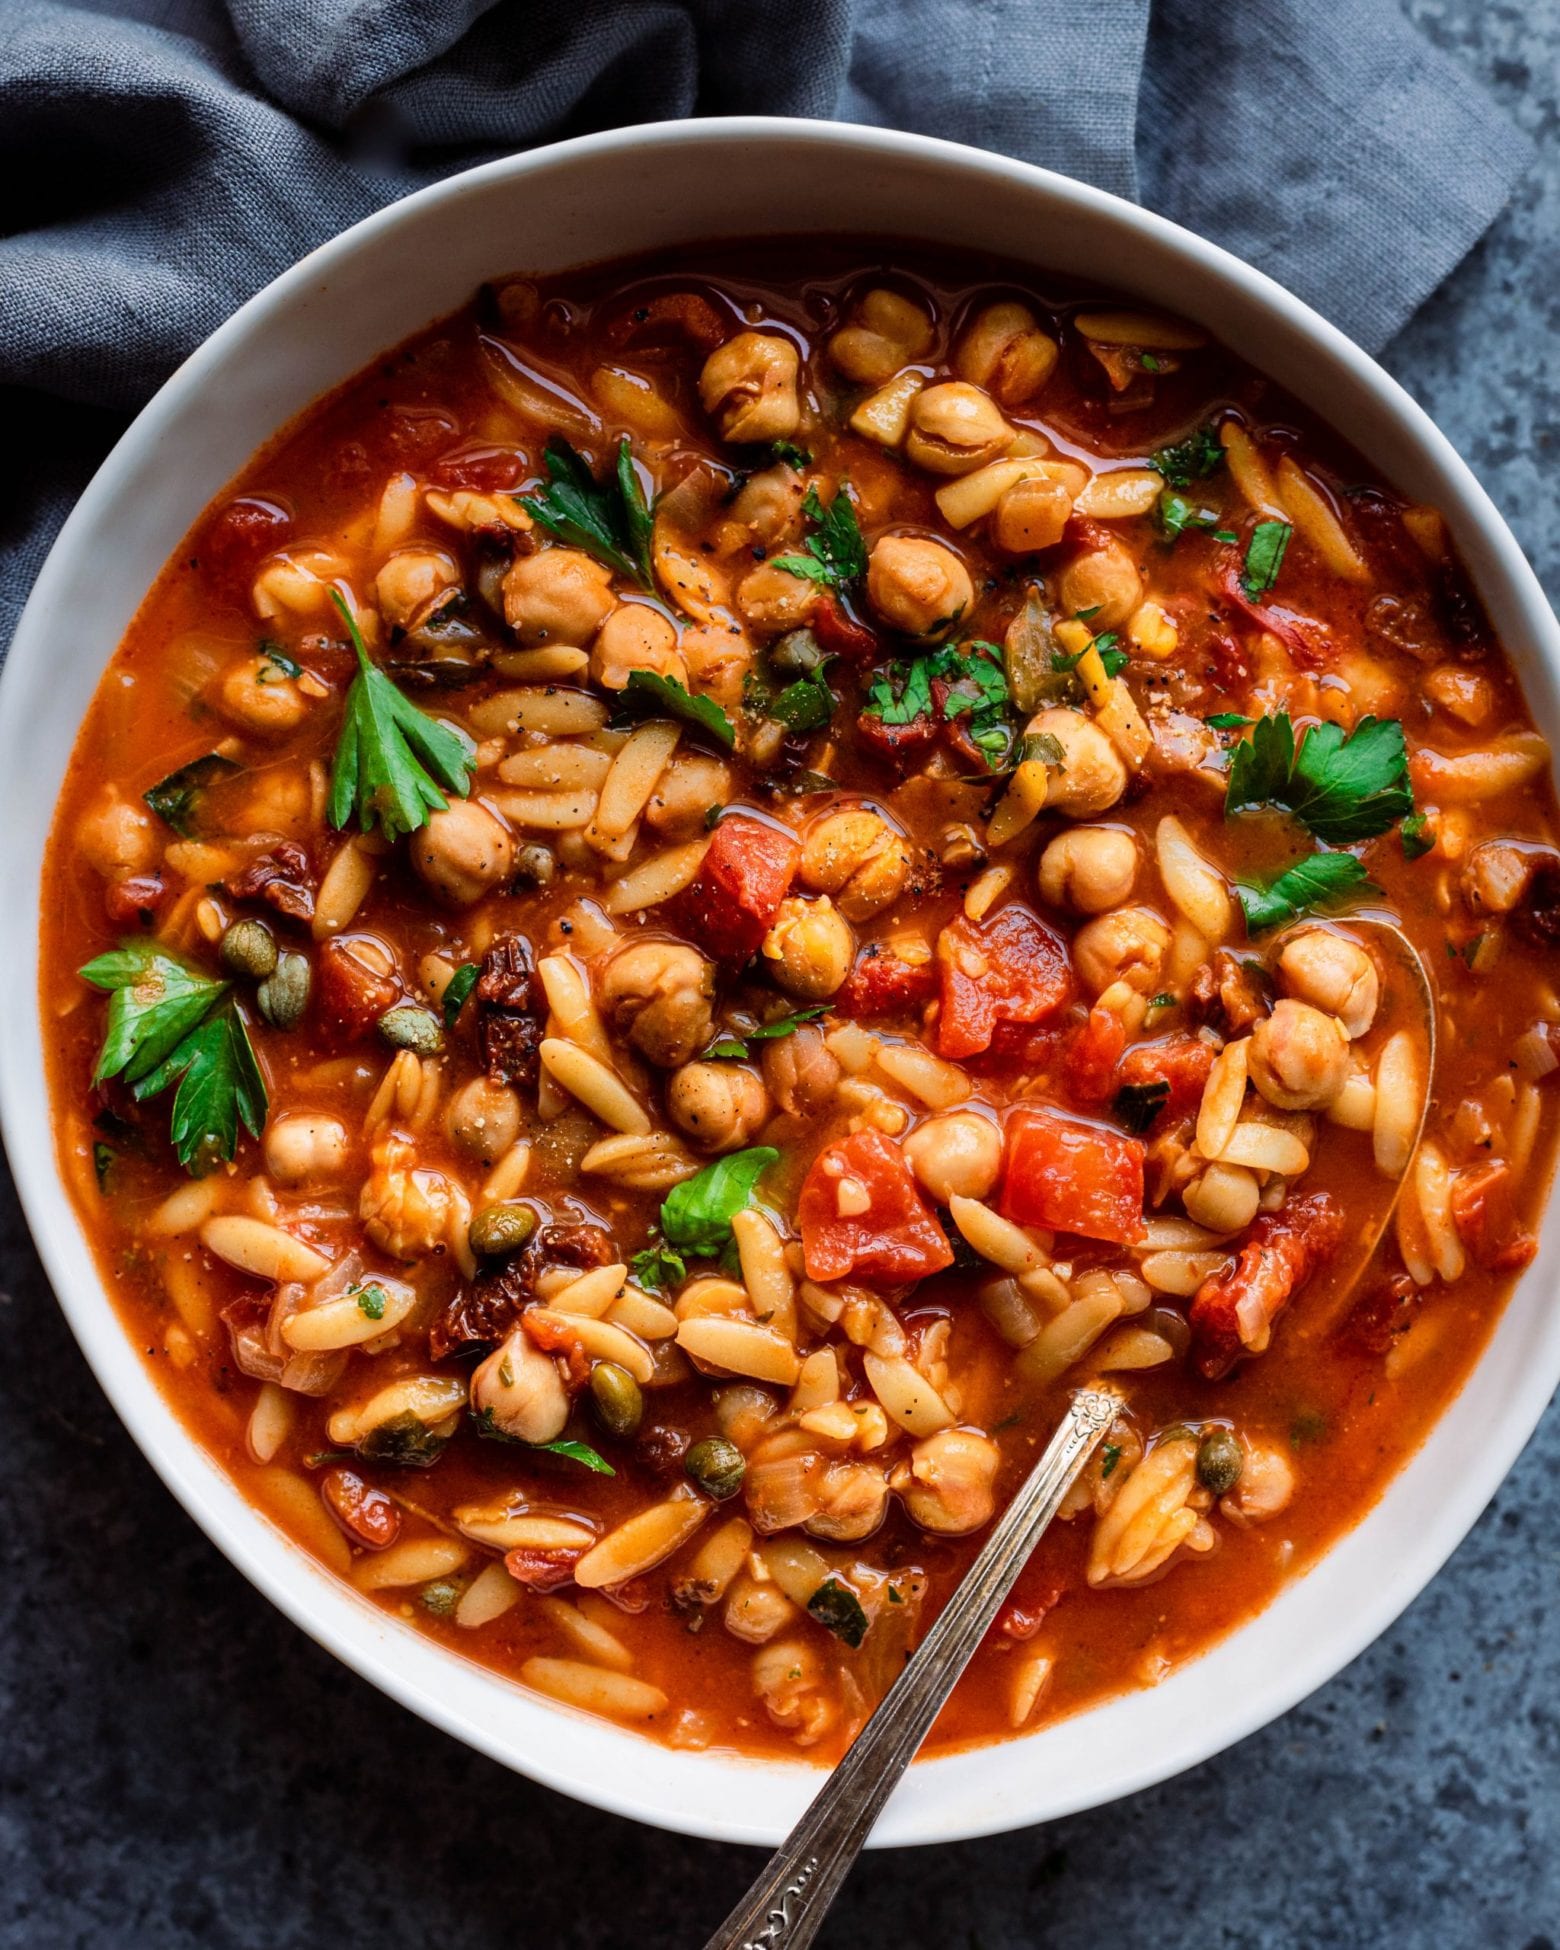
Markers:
point(1136, 1105)
point(1192, 459)
point(1324, 880)
point(835, 553)
point(1264, 557)
point(975, 688)
point(1228, 721)
point(176, 800)
point(391, 758)
point(1418, 840)
point(806, 704)
point(456, 990)
point(729, 1046)
point(1174, 514)
point(657, 1267)
point(371, 1300)
point(278, 658)
point(788, 454)
point(650, 695)
point(1112, 656)
point(168, 1022)
point(1112, 1455)
point(1343, 788)
point(838, 1610)
point(610, 520)
point(580, 1452)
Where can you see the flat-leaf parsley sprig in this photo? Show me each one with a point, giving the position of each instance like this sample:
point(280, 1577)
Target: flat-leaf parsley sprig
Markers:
point(391, 758)
point(834, 553)
point(167, 1022)
point(1340, 786)
point(611, 519)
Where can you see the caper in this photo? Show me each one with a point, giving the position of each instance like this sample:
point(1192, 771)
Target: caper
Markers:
point(248, 948)
point(535, 866)
point(1220, 1460)
point(619, 1405)
point(796, 654)
point(500, 1229)
point(410, 1026)
point(284, 994)
point(717, 1467)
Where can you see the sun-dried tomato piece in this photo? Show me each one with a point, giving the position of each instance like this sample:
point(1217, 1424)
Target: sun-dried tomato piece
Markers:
point(840, 633)
point(487, 470)
point(1486, 1219)
point(896, 742)
point(511, 1010)
point(134, 900)
point(367, 1515)
point(485, 1309)
point(668, 317)
point(541, 1570)
point(284, 879)
point(351, 989)
point(1385, 1314)
point(1183, 1062)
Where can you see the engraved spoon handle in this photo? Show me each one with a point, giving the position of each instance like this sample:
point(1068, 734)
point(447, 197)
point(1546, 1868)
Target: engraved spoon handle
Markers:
point(787, 1904)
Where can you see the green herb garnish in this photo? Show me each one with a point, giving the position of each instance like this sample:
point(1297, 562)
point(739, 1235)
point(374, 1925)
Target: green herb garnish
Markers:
point(1418, 840)
point(1192, 459)
point(838, 1610)
point(806, 704)
point(696, 1215)
point(1228, 721)
point(1112, 656)
point(391, 758)
point(456, 990)
point(104, 1157)
point(273, 653)
point(371, 1300)
point(1112, 1455)
point(176, 799)
point(975, 688)
point(168, 1022)
point(788, 454)
point(1174, 514)
point(610, 520)
point(737, 1046)
point(1264, 557)
point(1325, 880)
point(648, 694)
point(1136, 1105)
point(834, 554)
point(580, 1452)
point(1343, 788)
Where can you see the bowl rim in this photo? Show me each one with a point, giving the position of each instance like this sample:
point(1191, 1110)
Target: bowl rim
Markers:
point(610, 1768)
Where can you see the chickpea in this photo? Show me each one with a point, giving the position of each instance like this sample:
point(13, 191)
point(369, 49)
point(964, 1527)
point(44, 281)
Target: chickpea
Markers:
point(519, 1388)
point(748, 387)
point(957, 1154)
point(410, 581)
point(1031, 515)
point(798, 1694)
point(261, 698)
point(117, 837)
point(802, 1072)
point(755, 1612)
point(689, 786)
point(557, 595)
point(811, 946)
point(955, 428)
point(719, 1105)
point(1266, 1483)
point(1495, 876)
point(1299, 1056)
point(949, 1483)
point(857, 857)
point(1334, 974)
point(767, 504)
point(1223, 1198)
point(1127, 945)
point(1104, 580)
point(483, 1119)
point(771, 599)
point(463, 853)
point(917, 585)
point(657, 994)
point(1003, 349)
point(304, 1148)
point(636, 637)
point(889, 331)
point(1092, 775)
point(853, 1503)
point(1089, 869)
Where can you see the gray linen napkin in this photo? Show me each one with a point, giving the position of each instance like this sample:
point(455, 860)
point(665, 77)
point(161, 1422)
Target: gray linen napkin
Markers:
point(162, 159)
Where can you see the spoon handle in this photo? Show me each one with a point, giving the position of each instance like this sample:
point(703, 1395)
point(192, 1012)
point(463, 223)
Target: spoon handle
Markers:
point(787, 1904)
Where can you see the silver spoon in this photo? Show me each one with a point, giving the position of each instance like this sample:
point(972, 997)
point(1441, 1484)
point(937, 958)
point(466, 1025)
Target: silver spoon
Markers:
point(787, 1904)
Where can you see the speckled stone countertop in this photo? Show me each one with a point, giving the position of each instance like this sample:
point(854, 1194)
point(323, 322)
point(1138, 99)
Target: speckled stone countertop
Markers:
point(182, 1768)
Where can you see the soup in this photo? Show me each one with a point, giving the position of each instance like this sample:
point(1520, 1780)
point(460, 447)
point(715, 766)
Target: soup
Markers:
point(702, 893)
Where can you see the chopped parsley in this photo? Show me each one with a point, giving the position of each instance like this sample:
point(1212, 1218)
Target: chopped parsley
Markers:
point(806, 704)
point(786, 453)
point(391, 758)
point(1342, 787)
point(648, 694)
point(729, 1046)
point(1112, 1455)
point(371, 1300)
point(580, 1452)
point(970, 682)
point(610, 520)
point(1112, 656)
point(838, 1610)
point(1417, 837)
point(1228, 721)
point(273, 655)
point(456, 990)
point(1264, 557)
point(1174, 514)
point(1192, 459)
point(1323, 881)
point(168, 1022)
point(176, 800)
point(1136, 1105)
point(834, 554)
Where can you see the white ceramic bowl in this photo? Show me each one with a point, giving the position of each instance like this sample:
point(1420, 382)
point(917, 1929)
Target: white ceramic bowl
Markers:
point(655, 189)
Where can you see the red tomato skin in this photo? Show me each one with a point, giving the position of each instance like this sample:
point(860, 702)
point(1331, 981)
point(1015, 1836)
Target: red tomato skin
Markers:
point(1008, 968)
point(745, 875)
point(880, 984)
point(842, 635)
point(1093, 1055)
point(896, 1240)
point(1181, 1061)
point(1071, 1177)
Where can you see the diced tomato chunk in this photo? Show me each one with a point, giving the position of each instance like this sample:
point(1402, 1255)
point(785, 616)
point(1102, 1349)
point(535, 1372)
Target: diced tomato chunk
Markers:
point(881, 984)
point(1233, 1311)
point(1071, 1177)
point(1385, 1314)
point(554, 1337)
point(1093, 1055)
point(862, 1216)
point(745, 875)
point(1487, 1222)
point(135, 899)
point(1181, 1061)
point(1009, 968)
point(367, 1515)
point(841, 635)
point(896, 742)
point(235, 539)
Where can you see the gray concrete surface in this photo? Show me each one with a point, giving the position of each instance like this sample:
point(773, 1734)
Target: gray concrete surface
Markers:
point(181, 1768)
